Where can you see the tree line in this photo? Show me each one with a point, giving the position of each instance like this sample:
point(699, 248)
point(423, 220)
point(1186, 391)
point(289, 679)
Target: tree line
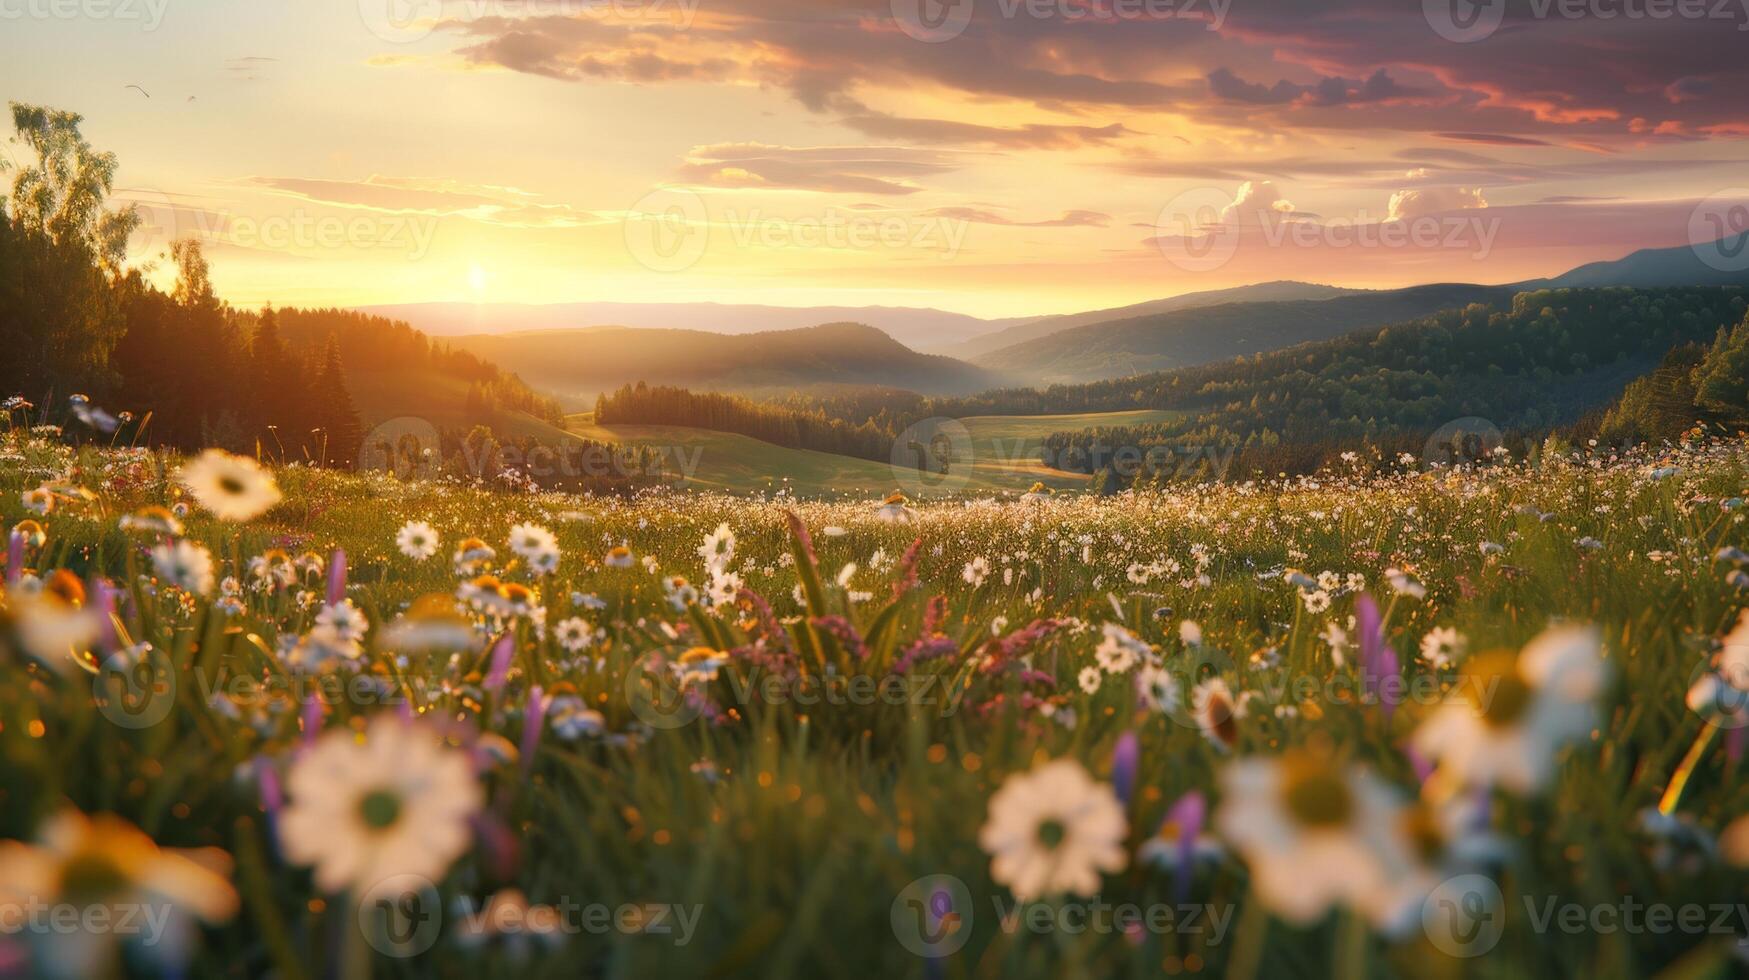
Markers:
point(192, 370)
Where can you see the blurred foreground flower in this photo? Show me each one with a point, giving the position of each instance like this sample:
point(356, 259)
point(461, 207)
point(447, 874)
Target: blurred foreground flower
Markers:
point(234, 488)
point(363, 809)
point(122, 885)
point(1510, 713)
point(1053, 830)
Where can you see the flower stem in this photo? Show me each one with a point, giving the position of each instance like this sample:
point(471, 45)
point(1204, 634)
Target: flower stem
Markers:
point(1690, 762)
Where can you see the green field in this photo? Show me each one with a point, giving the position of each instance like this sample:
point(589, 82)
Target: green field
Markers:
point(798, 723)
point(1003, 456)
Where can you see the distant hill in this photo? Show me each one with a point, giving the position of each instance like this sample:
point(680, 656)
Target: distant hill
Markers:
point(1263, 292)
point(576, 365)
point(918, 328)
point(1201, 335)
point(1654, 267)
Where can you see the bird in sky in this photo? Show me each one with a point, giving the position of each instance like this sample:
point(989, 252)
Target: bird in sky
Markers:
point(139, 90)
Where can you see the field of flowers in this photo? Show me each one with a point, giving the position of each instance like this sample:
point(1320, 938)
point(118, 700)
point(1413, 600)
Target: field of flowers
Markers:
point(1387, 721)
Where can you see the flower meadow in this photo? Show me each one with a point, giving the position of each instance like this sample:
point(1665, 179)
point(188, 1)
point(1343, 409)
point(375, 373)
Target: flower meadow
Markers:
point(1387, 720)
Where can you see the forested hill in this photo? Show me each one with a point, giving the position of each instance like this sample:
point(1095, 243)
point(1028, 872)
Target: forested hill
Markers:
point(1554, 356)
point(1203, 335)
point(579, 364)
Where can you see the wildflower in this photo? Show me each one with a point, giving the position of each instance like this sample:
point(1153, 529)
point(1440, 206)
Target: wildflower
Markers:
point(105, 866)
point(345, 620)
point(396, 802)
point(975, 572)
point(1315, 834)
point(52, 623)
point(1511, 712)
point(185, 565)
point(39, 501)
point(417, 540)
point(152, 520)
point(572, 719)
point(529, 540)
point(1121, 649)
point(234, 488)
point(1052, 831)
point(1216, 713)
point(1442, 647)
point(1157, 688)
point(1038, 494)
point(1090, 678)
point(1190, 634)
point(1316, 601)
point(679, 591)
point(699, 664)
point(719, 548)
point(1403, 583)
point(618, 556)
point(894, 509)
point(430, 624)
point(1180, 846)
point(471, 555)
point(573, 635)
point(274, 569)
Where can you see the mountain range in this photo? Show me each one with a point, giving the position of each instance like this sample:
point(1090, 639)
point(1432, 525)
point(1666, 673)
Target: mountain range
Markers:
point(576, 365)
point(723, 347)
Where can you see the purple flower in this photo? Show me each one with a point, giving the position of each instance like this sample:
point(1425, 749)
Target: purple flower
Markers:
point(1185, 817)
point(1125, 756)
point(533, 722)
point(500, 663)
point(337, 577)
point(1377, 660)
point(14, 557)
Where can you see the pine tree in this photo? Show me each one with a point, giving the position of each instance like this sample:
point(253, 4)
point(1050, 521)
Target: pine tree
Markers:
point(339, 417)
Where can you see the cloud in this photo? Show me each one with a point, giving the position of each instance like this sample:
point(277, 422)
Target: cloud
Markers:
point(832, 169)
point(1042, 136)
point(1328, 91)
point(404, 195)
point(1417, 202)
point(1069, 219)
point(1254, 202)
point(1492, 139)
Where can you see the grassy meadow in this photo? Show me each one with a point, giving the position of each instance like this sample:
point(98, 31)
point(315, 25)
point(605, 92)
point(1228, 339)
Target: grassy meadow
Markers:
point(368, 727)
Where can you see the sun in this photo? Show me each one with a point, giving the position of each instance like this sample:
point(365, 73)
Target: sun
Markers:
point(477, 277)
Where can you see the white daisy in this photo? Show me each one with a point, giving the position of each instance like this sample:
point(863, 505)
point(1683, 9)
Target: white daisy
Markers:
point(396, 802)
point(1217, 713)
point(1442, 646)
point(185, 565)
point(1090, 678)
point(529, 540)
point(346, 621)
point(1316, 834)
point(573, 634)
point(1052, 831)
point(234, 488)
point(417, 540)
point(1157, 688)
point(1121, 649)
point(1509, 713)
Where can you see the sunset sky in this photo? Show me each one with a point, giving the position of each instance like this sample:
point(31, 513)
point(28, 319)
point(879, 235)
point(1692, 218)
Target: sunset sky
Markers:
point(999, 157)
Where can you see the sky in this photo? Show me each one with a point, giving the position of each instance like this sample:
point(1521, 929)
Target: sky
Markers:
point(992, 157)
